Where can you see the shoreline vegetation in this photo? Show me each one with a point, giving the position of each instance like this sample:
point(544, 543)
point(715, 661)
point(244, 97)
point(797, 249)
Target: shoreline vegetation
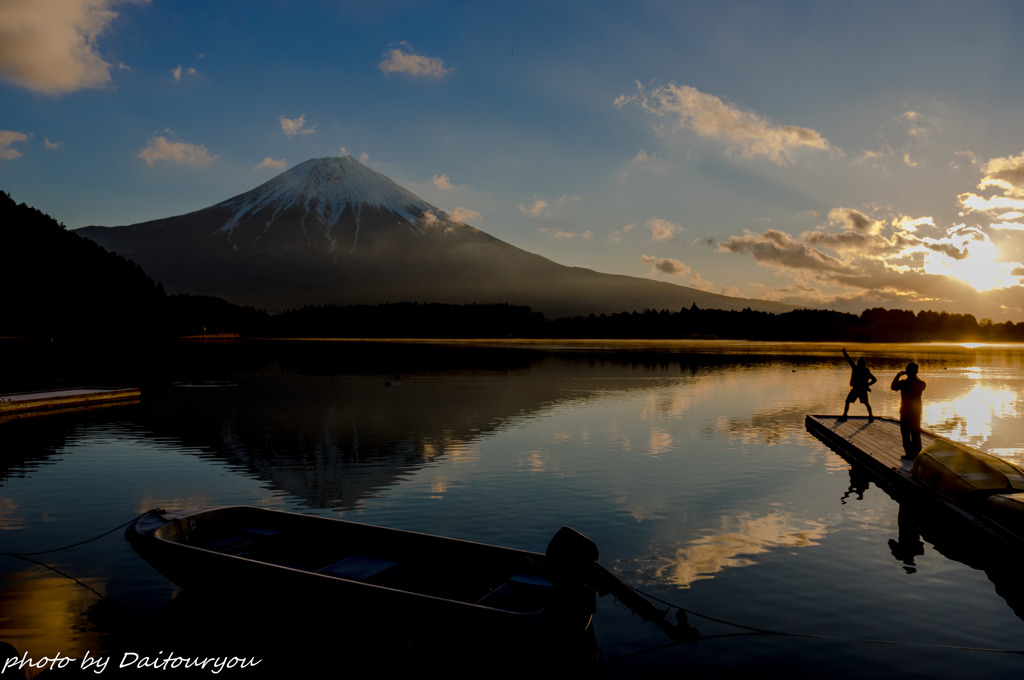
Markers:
point(66, 287)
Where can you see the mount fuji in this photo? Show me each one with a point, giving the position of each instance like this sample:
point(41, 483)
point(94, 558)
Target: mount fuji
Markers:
point(333, 231)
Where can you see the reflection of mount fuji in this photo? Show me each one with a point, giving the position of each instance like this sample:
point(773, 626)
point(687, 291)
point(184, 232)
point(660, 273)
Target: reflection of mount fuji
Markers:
point(334, 423)
point(332, 428)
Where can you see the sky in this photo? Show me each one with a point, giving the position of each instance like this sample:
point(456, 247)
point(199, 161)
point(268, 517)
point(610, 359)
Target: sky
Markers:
point(824, 154)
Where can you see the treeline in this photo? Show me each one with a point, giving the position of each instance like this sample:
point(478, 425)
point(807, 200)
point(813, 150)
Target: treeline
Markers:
point(56, 284)
point(413, 320)
point(873, 325)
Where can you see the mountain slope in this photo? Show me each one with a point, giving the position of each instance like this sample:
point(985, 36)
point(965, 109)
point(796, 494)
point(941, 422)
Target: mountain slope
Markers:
point(58, 284)
point(332, 231)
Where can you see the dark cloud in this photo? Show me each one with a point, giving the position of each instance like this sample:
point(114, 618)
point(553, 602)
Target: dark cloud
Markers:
point(781, 249)
point(665, 265)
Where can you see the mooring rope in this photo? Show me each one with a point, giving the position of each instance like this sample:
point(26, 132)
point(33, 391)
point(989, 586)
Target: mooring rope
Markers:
point(30, 556)
point(73, 545)
point(753, 630)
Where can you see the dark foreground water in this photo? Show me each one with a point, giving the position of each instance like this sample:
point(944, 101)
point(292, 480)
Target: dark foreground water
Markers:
point(687, 463)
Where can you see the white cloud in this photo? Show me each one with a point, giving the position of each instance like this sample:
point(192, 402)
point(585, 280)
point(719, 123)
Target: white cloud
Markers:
point(562, 234)
point(295, 126)
point(50, 46)
point(856, 259)
point(644, 161)
point(176, 72)
point(711, 117)
point(1006, 173)
point(269, 162)
point(417, 65)
point(662, 230)
point(854, 220)
point(536, 209)
point(50, 145)
point(541, 207)
point(442, 182)
point(912, 224)
point(8, 137)
point(461, 214)
point(179, 153)
point(643, 158)
point(616, 235)
point(904, 137)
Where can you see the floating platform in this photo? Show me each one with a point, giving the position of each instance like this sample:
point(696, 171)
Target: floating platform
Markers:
point(24, 403)
point(975, 490)
point(878, 445)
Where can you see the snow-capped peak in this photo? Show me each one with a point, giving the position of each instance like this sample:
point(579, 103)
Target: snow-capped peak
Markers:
point(326, 188)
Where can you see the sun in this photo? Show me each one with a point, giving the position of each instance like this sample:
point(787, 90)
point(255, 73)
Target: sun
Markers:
point(980, 269)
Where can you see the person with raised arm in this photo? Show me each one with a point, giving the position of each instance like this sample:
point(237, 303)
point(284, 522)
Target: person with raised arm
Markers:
point(861, 381)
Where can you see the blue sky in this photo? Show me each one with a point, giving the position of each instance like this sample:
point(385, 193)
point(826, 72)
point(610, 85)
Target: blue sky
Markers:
point(844, 155)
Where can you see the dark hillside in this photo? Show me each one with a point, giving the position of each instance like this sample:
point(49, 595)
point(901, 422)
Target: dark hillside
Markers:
point(58, 284)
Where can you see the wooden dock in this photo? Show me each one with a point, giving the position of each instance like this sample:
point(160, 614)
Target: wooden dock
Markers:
point(20, 403)
point(877, 447)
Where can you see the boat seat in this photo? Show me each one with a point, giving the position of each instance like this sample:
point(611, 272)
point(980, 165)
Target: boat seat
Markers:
point(239, 543)
point(520, 593)
point(359, 568)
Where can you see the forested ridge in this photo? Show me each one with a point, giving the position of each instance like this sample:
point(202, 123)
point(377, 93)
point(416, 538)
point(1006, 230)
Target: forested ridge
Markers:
point(59, 285)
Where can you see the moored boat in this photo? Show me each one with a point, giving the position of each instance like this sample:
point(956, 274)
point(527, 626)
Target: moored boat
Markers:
point(979, 482)
point(378, 572)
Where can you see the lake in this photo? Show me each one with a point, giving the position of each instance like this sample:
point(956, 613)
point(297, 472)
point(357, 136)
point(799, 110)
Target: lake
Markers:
point(688, 463)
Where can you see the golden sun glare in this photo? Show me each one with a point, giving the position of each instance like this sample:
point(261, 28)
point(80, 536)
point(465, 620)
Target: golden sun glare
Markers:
point(981, 268)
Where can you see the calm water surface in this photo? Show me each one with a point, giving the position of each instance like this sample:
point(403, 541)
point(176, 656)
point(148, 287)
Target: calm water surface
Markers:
point(687, 463)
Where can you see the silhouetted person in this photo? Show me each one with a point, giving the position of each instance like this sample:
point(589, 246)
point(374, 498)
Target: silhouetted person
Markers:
point(910, 388)
point(861, 381)
point(908, 544)
point(859, 483)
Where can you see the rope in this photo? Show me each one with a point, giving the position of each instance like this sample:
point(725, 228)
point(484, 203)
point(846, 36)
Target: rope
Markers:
point(74, 545)
point(753, 630)
point(28, 557)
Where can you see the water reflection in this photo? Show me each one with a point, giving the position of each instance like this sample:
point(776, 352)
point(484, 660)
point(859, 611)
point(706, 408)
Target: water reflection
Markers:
point(974, 551)
point(48, 609)
point(691, 469)
point(735, 543)
point(915, 527)
point(982, 415)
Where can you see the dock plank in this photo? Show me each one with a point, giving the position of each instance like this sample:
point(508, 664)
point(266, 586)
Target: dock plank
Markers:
point(62, 399)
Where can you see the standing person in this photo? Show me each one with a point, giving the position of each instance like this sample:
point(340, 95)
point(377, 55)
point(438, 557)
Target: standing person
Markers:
point(861, 381)
point(910, 388)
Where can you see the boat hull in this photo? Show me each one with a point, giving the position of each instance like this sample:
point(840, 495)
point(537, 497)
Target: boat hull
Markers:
point(367, 572)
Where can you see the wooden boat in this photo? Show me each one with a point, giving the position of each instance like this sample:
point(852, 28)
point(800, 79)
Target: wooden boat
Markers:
point(979, 482)
point(980, 490)
point(377, 572)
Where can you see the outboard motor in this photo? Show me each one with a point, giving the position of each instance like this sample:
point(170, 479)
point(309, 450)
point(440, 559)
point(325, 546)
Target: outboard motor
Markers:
point(573, 557)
